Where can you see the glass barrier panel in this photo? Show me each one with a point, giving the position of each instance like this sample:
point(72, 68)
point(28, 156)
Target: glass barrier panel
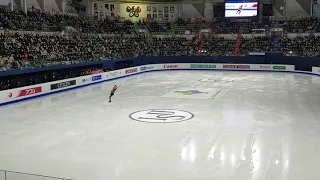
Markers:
point(11, 175)
point(2, 175)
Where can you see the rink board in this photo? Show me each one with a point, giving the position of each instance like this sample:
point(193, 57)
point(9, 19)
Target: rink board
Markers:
point(34, 91)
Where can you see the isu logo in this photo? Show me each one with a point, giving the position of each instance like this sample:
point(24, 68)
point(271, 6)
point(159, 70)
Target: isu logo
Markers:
point(161, 116)
point(170, 66)
point(10, 95)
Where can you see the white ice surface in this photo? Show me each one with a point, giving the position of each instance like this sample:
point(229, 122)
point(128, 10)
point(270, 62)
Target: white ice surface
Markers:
point(260, 126)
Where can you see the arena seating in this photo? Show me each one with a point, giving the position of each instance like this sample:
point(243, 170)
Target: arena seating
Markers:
point(21, 50)
point(301, 46)
point(256, 44)
point(175, 46)
point(218, 47)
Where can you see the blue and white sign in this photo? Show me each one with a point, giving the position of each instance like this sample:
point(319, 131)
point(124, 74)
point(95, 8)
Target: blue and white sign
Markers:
point(96, 78)
point(86, 80)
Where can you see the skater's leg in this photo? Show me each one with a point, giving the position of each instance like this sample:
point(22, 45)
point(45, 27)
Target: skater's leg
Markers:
point(110, 97)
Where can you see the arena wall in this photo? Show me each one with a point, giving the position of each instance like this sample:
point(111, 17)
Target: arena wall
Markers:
point(30, 92)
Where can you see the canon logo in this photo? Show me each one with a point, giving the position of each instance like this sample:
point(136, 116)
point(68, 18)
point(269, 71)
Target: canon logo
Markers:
point(171, 66)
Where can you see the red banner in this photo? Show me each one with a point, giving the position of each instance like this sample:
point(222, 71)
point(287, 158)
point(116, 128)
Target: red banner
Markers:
point(236, 66)
point(133, 70)
point(170, 66)
point(25, 92)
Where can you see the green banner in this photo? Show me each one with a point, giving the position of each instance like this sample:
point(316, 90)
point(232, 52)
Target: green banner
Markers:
point(279, 67)
point(202, 66)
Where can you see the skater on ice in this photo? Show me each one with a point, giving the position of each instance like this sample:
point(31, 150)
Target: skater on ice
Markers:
point(115, 87)
point(239, 9)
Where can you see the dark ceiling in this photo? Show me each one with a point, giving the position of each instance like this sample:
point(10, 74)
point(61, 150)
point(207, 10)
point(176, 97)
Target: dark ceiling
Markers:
point(141, 1)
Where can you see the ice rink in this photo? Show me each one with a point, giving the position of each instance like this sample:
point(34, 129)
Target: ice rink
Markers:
point(173, 125)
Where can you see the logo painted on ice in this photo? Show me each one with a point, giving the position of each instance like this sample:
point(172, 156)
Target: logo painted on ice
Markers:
point(190, 92)
point(161, 116)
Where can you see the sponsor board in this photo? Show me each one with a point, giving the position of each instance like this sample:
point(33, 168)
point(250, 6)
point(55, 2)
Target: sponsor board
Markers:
point(132, 70)
point(236, 66)
point(257, 54)
point(166, 66)
point(161, 116)
point(273, 67)
point(24, 92)
point(144, 68)
point(203, 66)
point(316, 70)
point(265, 67)
point(96, 78)
point(93, 78)
point(88, 79)
point(63, 84)
point(279, 67)
point(114, 74)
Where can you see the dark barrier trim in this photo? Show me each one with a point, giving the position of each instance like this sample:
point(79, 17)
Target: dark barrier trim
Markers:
point(81, 86)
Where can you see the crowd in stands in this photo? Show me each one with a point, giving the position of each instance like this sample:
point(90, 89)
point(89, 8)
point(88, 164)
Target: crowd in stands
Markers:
point(218, 47)
point(90, 43)
point(256, 44)
point(301, 46)
point(174, 46)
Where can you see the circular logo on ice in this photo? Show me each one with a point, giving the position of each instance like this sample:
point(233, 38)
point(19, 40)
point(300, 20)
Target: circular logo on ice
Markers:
point(161, 116)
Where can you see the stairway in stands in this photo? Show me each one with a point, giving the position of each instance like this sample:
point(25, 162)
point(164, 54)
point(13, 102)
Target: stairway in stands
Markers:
point(172, 29)
point(149, 37)
point(237, 44)
point(207, 26)
point(212, 32)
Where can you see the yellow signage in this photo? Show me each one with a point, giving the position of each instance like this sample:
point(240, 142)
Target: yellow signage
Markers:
point(133, 12)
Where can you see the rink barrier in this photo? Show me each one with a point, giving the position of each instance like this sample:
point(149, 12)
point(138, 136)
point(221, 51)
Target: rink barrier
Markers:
point(13, 175)
point(35, 91)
